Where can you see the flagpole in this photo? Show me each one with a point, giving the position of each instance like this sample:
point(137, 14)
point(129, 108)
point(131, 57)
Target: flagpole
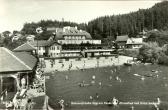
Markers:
point(1, 87)
point(27, 80)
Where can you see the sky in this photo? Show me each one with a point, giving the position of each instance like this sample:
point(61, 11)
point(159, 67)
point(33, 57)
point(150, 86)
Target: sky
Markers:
point(14, 13)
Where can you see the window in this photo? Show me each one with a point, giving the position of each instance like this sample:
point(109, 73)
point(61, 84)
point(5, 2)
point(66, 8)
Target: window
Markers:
point(83, 37)
point(65, 37)
point(69, 37)
point(57, 47)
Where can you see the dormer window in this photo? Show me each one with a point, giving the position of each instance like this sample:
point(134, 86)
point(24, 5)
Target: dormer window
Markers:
point(83, 37)
point(79, 37)
point(73, 37)
point(65, 37)
point(69, 37)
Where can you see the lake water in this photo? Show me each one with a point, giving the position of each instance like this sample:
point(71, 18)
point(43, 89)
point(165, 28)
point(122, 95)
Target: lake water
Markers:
point(129, 88)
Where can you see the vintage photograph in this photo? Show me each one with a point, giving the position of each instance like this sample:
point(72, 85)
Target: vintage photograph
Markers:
point(83, 55)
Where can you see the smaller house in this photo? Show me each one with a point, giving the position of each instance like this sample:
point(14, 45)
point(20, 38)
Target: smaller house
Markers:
point(121, 41)
point(44, 48)
point(134, 43)
point(26, 47)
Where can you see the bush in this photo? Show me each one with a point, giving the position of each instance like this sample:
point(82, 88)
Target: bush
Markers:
point(149, 52)
point(131, 52)
point(163, 59)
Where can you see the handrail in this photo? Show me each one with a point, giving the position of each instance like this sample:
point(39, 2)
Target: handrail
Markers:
point(2, 93)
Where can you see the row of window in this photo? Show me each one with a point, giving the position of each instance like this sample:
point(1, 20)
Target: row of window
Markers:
point(54, 54)
point(74, 37)
point(70, 54)
point(55, 48)
point(41, 48)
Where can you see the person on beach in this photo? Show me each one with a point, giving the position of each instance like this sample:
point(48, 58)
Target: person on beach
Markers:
point(62, 65)
point(28, 105)
point(16, 101)
point(97, 63)
point(52, 64)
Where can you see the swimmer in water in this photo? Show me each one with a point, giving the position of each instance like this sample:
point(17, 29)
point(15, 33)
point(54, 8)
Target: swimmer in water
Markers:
point(110, 77)
point(111, 71)
point(118, 79)
point(66, 77)
point(91, 98)
point(115, 101)
point(159, 101)
point(61, 102)
point(97, 96)
point(142, 78)
point(100, 83)
point(132, 107)
point(93, 77)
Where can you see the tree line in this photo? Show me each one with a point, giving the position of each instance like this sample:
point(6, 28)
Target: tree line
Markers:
point(107, 28)
point(111, 26)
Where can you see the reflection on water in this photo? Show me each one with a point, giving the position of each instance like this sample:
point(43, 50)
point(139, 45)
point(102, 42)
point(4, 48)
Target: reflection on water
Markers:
point(131, 88)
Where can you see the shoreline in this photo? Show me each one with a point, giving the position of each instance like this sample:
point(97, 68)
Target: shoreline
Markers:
point(85, 63)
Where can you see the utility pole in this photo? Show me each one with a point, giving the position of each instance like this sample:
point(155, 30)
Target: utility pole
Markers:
point(39, 31)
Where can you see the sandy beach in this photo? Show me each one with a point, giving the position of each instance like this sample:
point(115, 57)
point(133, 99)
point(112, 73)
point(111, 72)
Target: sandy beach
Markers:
point(84, 63)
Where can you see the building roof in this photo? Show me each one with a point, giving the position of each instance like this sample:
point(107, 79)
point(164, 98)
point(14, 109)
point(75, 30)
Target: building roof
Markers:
point(9, 62)
point(42, 43)
point(134, 41)
point(29, 59)
point(25, 47)
point(122, 38)
point(60, 32)
point(30, 46)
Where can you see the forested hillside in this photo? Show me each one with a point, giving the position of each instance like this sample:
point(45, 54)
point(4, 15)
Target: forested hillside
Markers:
point(155, 17)
point(102, 27)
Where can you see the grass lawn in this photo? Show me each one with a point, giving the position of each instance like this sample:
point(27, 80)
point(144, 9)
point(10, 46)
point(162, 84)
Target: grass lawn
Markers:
point(131, 88)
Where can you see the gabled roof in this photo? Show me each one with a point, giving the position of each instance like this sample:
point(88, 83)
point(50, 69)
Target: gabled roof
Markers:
point(42, 43)
point(122, 38)
point(29, 46)
point(134, 41)
point(9, 62)
point(25, 47)
point(28, 59)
